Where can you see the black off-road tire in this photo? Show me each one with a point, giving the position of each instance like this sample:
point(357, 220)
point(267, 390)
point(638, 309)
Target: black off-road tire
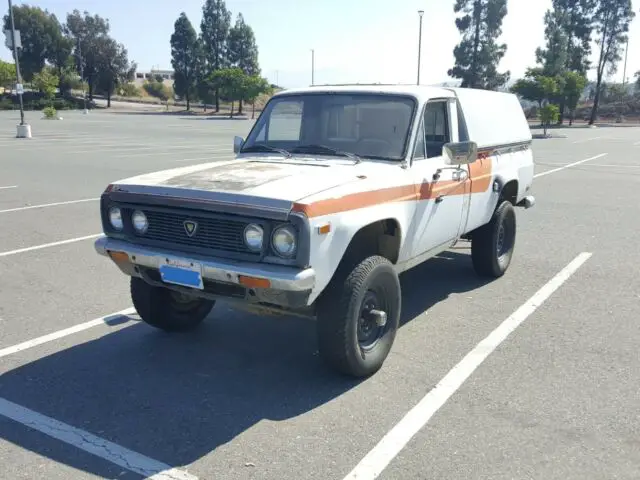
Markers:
point(160, 307)
point(371, 282)
point(490, 254)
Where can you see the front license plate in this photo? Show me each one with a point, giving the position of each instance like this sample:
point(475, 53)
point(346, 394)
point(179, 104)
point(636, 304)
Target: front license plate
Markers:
point(181, 272)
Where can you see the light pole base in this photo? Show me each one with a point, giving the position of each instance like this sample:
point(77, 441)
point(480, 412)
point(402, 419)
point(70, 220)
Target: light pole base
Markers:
point(85, 112)
point(24, 131)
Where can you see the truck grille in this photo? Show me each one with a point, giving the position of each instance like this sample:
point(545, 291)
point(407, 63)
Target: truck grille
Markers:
point(211, 233)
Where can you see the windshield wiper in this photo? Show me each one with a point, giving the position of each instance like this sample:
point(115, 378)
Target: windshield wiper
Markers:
point(325, 149)
point(266, 148)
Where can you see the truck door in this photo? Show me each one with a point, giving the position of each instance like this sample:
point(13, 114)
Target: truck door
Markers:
point(443, 199)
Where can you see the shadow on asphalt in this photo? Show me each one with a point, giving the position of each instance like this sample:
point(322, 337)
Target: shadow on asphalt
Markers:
point(177, 398)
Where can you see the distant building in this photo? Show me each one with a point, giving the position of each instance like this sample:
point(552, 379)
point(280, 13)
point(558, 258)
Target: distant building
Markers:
point(141, 76)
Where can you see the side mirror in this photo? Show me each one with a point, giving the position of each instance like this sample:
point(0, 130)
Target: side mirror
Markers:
point(237, 144)
point(461, 153)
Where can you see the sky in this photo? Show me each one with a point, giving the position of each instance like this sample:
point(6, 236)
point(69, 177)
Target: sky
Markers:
point(354, 41)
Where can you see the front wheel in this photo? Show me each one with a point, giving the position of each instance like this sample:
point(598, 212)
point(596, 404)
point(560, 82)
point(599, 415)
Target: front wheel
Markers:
point(167, 309)
point(358, 320)
point(492, 245)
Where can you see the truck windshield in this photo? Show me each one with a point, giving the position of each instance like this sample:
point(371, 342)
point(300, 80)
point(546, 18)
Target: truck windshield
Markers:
point(349, 125)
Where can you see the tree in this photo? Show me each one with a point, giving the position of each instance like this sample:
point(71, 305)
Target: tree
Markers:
point(230, 82)
point(568, 27)
point(553, 59)
point(549, 114)
point(478, 54)
point(637, 75)
point(254, 86)
point(46, 82)
point(88, 33)
point(242, 50)
point(185, 58)
point(114, 67)
point(536, 87)
point(612, 21)
point(216, 20)
point(574, 85)
point(42, 39)
point(7, 74)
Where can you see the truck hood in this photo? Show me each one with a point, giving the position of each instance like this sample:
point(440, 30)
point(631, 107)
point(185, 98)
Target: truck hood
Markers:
point(287, 180)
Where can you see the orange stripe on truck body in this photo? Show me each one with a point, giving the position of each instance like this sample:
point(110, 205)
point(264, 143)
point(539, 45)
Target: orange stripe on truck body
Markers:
point(480, 177)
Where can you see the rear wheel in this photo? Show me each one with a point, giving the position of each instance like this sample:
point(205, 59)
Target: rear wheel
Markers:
point(167, 309)
point(492, 245)
point(358, 319)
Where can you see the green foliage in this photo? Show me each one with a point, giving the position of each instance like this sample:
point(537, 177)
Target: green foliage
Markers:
point(129, 89)
point(185, 58)
point(46, 82)
point(550, 113)
point(254, 86)
point(574, 85)
point(158, 78)
point(42, 39)
point(554, 58)
point(50, 112)
point(215, 24)
point(157, 90)
point(612, 20)
point(478, 54)
point(536, 87)
point(7, 74)
point(69, 80)
point(114, 67)
point(242, 48)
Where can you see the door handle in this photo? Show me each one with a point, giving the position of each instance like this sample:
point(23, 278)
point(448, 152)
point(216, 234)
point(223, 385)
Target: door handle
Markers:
point(459, 175)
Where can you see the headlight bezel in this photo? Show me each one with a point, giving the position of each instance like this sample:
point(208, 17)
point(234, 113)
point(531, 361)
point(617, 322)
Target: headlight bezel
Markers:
point(290, 228)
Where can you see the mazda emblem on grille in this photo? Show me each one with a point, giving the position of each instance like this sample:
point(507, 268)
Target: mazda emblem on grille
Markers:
point(190, 228)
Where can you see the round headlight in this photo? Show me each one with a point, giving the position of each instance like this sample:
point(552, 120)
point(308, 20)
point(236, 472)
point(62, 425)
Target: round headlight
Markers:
point(284, 241)
point(115, 217)
point(140, 222)
point(253, 236)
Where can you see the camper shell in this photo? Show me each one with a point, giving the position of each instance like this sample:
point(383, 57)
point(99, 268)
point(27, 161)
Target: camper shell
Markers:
point(335, 192)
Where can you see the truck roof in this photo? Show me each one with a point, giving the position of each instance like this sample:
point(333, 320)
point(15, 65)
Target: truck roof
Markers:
point(419, 91)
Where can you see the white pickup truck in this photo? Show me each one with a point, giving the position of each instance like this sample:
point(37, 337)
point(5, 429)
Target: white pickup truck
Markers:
point(334, 193)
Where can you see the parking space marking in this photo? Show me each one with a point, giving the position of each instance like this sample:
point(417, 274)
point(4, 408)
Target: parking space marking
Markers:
point(46, 205)
point(8, 187)
point(372, 465)
point(47, 245)
point(50, 337)
point(584, 140)
point(549, 172)
point(112, 452)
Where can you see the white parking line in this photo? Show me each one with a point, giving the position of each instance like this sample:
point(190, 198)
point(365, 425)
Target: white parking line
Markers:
point(8, 187)
point(116, 454)
point(47, 245)
point(46, 205)
point(372, 465)
point(584, 140)
point(66, 332)
point(548, 172)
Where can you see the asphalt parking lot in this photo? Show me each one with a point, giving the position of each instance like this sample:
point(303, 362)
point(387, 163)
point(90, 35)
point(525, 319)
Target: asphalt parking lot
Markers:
point(546, 383)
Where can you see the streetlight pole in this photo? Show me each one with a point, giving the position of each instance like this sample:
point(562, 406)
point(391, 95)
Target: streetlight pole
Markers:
point(420, 13)
point(23, 130)
point(313, 67)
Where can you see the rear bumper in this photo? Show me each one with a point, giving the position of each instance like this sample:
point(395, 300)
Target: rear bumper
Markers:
point(286, 286)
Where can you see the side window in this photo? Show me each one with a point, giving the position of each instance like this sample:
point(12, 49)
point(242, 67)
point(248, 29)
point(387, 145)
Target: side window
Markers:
point(419, 148)
point(436, 128)
point(463, 134)
point(285, 122)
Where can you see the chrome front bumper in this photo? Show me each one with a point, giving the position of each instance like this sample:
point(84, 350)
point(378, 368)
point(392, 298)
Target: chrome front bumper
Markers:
point(281, 278)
